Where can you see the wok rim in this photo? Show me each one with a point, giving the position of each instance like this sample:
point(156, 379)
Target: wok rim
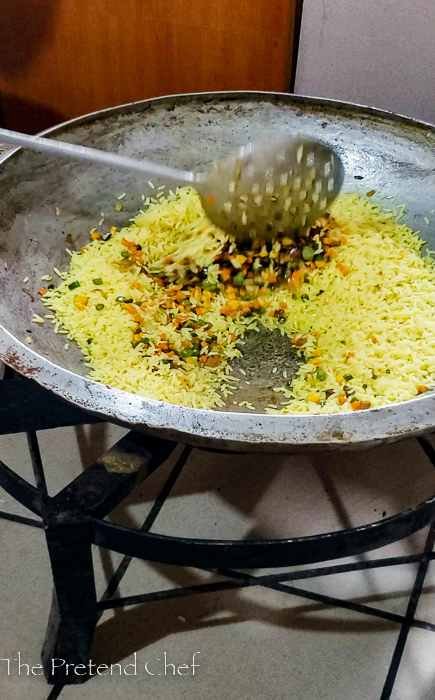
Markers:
point(205, 427)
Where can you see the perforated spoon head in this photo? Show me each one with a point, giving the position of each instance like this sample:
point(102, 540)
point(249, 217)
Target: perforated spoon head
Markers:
point(271, 188)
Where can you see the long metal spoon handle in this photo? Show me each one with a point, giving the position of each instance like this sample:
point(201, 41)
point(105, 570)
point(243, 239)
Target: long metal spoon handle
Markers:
point(93, 155)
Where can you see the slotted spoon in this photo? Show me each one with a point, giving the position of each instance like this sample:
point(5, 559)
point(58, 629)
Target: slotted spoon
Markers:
point(263, 190)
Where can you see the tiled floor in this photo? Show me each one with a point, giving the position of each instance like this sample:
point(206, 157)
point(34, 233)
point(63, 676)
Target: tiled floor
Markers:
point(253, 643)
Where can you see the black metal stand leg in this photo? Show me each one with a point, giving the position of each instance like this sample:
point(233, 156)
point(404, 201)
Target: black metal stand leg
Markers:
point(73, 617)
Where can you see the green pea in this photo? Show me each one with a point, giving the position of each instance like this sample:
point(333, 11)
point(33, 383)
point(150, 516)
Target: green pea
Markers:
point(187, 352)
point(238, 279)
point(97, 280)
point(125, 254)
point(321, 374)
point(307, 252)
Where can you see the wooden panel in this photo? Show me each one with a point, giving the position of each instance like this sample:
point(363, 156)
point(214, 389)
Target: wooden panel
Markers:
point(63, 58)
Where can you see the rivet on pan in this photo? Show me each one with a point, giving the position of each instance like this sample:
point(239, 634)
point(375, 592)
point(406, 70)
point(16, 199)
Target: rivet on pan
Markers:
point(232, 186)
point(287, 203)
point(302, 195)
point(269, 188)
point(323, 203)
point(283, 180)
point(255, 188)
point(258, 199)
point(227, 207)
point(244, 218)
point(243, 198)
point(299, 154)
point(330, 184)
point(327, 169)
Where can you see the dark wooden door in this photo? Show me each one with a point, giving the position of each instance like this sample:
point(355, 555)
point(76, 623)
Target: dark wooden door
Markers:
point(63, 58)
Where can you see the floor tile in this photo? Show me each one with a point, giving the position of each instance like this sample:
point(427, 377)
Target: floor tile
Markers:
point(416, 677)
point(252, 645)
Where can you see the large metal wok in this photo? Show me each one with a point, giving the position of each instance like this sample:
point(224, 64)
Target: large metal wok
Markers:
point(42, 199)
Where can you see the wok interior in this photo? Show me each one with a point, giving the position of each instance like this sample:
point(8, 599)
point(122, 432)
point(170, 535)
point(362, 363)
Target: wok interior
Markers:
point(43, 199)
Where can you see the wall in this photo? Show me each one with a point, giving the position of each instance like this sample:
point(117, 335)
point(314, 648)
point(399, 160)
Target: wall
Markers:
point(375, 52)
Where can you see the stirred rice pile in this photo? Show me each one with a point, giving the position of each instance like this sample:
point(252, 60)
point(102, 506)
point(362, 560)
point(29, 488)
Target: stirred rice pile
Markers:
point(161, 307)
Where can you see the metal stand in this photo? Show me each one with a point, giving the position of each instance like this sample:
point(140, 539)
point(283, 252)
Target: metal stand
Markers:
point(74, 519)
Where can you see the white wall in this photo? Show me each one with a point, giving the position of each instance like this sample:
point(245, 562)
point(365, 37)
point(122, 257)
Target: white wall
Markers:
point(375, 52)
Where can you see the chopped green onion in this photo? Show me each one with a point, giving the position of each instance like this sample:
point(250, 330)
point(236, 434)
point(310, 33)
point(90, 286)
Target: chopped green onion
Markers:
point(353, 399)
point(125, 254)
point(208, 286)
point(348, 377)
point(282, 319)
point(97, 280)
point(118, 206)
point(305, 297)
point(307, 253)
point(74, 285)
point(121, 300)
point(145, 341)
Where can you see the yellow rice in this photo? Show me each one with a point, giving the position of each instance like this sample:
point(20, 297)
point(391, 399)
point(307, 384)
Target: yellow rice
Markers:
point(375, 324)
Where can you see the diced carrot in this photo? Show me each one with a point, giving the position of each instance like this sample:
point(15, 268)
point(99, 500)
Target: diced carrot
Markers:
point(203, 359)
point(42, 291)
point(163, 336)
point(180, 296)
point(342, 399)
point(314, 398)
point(199, 311)
point(330, 252)
point(351, 354)
point(130, 308)
point(170, 354)
point(185, 343)
point(331, 241)
point(95, 235)
point(421, 389)
point(233, 337)
point(225, 273)
point(343, 269)
point(271, 279)
point(343, 240)
point(282, 305)
point(163, 346)
point(137, 285)
point(356, 405)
